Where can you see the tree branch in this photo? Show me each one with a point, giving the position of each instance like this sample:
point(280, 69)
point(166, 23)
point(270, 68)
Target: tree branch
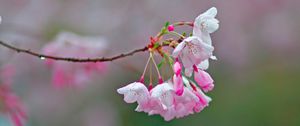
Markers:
point(71, 59)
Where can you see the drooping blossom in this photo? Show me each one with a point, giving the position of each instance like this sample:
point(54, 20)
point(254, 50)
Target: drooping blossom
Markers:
point(11, 106)
point(71, 45)
point(135, 92)
point(192, 51)
point(204, 25)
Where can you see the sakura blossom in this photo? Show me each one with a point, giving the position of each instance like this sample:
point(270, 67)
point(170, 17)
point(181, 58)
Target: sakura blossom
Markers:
point(192, 51)
point(70, 44)
point(183, 93)
point(204, 25)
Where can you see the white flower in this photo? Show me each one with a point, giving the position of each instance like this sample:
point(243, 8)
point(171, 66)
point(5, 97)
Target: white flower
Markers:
point(205, 24)
point(192, 51)
point(133, 92)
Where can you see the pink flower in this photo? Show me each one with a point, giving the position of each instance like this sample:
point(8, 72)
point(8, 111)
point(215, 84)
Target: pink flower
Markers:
point(71, 45)
point(192, 51)
point(204, 80)
point(11, 105)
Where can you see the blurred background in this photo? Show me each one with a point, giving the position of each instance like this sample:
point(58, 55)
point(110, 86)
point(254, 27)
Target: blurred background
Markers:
point(256, 75)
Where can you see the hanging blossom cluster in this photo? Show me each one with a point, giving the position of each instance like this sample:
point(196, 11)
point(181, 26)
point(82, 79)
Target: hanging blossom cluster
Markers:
point(69, 44)
point(183, 93)
point(176, 95)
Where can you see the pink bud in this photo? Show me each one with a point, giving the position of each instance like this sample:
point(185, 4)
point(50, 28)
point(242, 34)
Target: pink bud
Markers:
point(171, 28)
point(204, 80)
point(178, 85)
point(177, 68)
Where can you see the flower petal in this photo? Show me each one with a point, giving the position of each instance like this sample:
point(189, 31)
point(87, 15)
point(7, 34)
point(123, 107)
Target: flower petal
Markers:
point(212, 12)
point(178, 49)
point(203, 65)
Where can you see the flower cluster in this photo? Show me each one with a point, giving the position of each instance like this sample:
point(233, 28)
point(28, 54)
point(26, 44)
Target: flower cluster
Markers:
point(183, 93)
point(71, 45)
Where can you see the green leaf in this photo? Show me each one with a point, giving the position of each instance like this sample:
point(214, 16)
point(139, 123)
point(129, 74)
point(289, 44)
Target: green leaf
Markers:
point(167, 24)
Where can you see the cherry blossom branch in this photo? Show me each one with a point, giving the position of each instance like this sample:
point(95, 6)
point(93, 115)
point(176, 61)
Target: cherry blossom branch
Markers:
point(102, 59)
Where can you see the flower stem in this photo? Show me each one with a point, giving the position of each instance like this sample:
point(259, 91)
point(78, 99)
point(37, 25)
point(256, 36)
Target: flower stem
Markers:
point(160, 80)
point(145, 69)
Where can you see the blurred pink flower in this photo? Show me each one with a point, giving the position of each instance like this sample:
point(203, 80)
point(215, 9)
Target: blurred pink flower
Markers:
point(71, 45)
point(11, 105)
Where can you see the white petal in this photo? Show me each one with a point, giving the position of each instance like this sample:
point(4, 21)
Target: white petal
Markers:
point(130, 97)
point(203, 65)
point(211, 25)
point(123, 90)
point(212, 12)
point(186, 59)
point(205, 36)
point(178, 49)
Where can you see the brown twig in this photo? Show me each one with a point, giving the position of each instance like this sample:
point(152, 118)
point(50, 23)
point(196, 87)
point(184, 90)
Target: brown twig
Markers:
point(71, 59)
